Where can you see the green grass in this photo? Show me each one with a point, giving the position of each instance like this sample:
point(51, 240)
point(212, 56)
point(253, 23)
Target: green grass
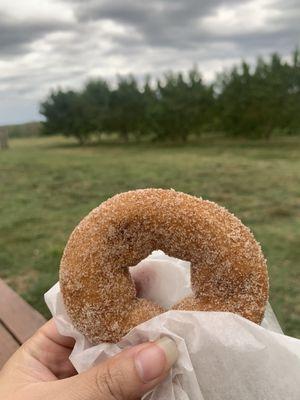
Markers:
point(49, 184)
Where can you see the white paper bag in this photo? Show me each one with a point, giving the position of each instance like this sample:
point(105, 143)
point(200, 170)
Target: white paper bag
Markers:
point(222, 356)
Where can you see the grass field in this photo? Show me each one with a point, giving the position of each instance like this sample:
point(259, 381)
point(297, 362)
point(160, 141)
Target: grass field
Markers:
point(48, 185)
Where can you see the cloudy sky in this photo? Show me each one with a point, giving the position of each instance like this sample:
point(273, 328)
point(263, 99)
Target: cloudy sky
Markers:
point(49, 43)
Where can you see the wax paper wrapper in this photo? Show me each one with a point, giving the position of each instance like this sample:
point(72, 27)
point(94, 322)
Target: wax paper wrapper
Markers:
point(222, 356)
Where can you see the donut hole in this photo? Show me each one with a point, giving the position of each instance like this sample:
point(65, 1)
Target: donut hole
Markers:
point(162, 279)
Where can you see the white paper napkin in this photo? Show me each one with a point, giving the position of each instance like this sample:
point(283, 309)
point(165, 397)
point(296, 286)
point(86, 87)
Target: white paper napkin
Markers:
point(222, 356)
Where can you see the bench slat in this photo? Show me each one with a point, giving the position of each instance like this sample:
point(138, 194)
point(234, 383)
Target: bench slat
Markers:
point(18, 316)
point(8, 345)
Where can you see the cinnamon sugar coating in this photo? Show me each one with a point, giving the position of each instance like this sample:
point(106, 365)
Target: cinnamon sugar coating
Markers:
point(228, 269)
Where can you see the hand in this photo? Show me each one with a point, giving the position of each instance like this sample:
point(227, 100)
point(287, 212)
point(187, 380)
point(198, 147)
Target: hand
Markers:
point(41, 370)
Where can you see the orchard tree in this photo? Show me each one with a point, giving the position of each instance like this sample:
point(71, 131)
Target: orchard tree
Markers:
point(149, 109)
point(258, 102)
point(184, 105)
point(200, 103)
point(64, 113)
point(96, 97)
point(126, 108)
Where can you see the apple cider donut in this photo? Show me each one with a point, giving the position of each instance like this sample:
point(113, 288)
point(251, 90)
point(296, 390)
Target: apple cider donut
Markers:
point(228, 269)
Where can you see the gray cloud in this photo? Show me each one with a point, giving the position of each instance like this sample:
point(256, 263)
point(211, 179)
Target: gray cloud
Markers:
point(16, 36)
point(139, 13)
point(176, 24)
point(168, 23)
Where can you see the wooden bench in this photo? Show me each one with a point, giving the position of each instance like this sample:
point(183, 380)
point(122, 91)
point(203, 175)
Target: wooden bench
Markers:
point(18, 321)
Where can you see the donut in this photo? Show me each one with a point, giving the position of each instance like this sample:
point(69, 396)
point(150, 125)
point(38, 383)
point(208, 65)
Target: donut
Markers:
point(228, 269)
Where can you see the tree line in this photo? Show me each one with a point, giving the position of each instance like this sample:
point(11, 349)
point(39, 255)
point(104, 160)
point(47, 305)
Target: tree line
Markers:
point(247, 101)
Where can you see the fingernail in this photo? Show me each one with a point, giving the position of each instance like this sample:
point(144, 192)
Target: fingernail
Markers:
point(170, 349)
point(155, 359)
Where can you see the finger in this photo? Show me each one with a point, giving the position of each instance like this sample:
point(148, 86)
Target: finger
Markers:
point(53, 350)
point(129, 375)
point(49, 330)
point(44, 357)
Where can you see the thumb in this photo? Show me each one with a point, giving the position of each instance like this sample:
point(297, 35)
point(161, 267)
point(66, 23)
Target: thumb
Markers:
point(128, 375)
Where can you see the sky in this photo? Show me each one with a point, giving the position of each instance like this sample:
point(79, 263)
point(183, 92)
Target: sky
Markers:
point(46, 44)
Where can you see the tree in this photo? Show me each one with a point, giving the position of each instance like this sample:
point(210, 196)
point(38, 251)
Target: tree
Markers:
point(150, 105)
point(258, 102)
point(126, 108)
point(200, 103)
point(65, 114)
point(4, 138)
point(184, 105)
point(234, 101)
point(96, 97)
point(292, 106)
